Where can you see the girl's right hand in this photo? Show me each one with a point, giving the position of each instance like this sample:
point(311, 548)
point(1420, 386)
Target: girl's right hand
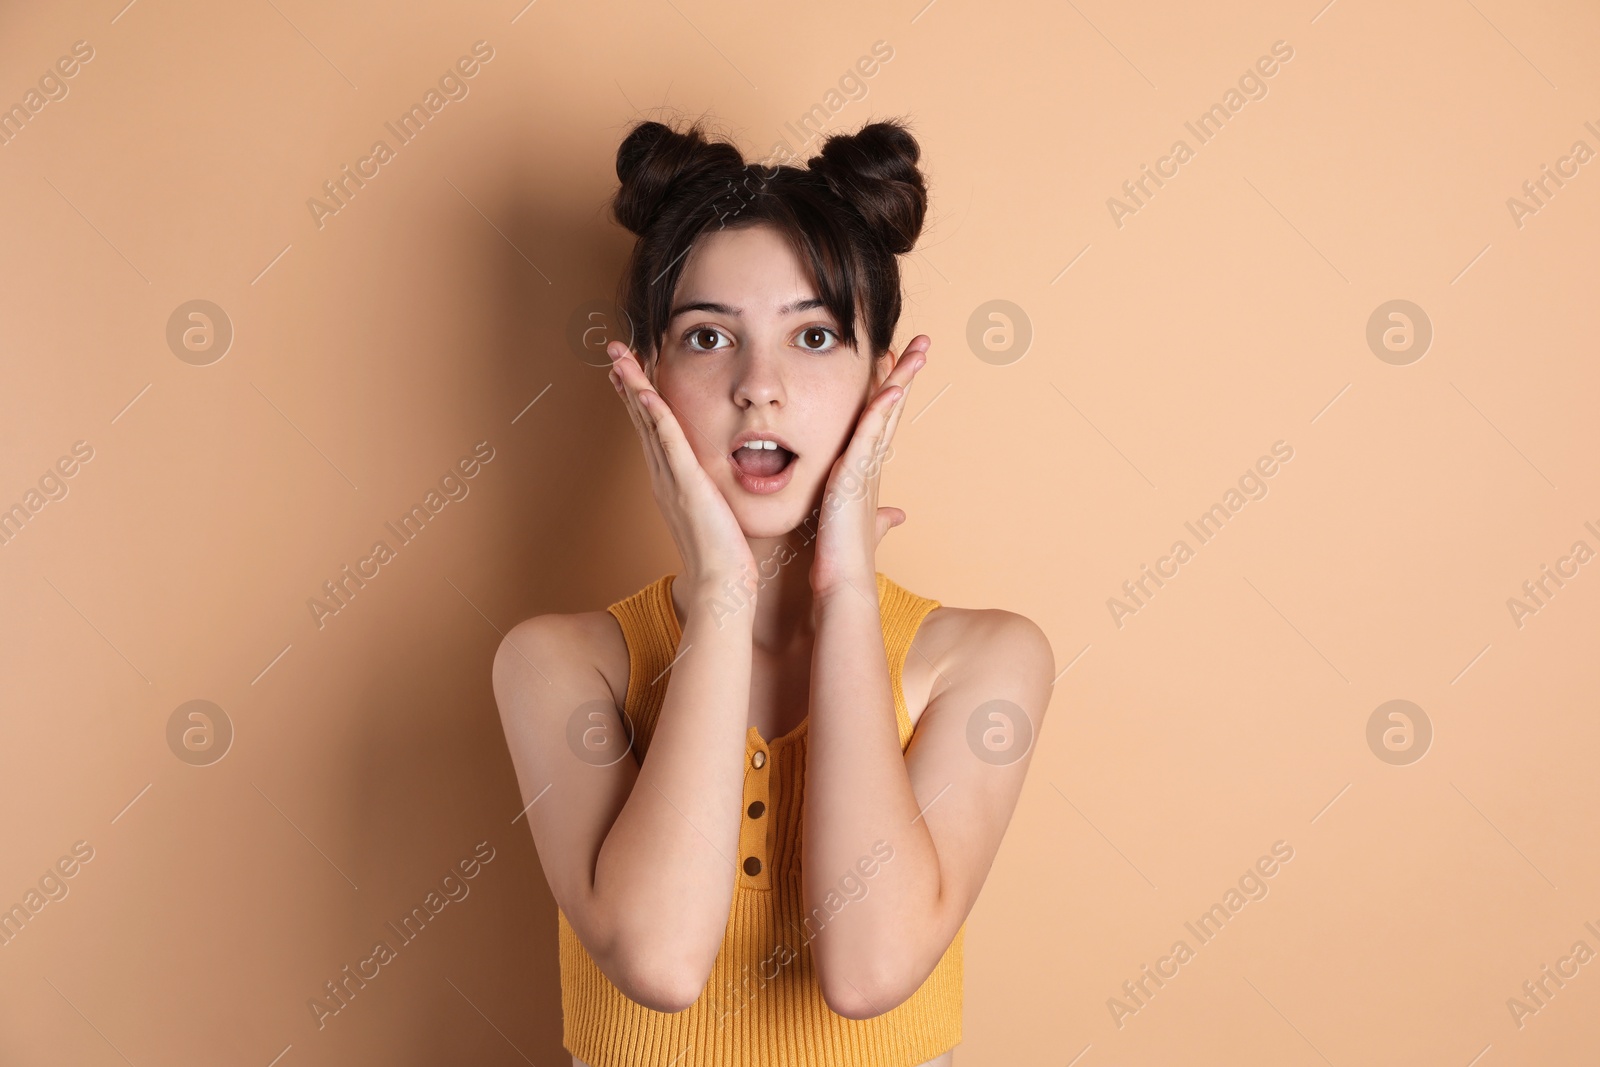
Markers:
point(709, 539)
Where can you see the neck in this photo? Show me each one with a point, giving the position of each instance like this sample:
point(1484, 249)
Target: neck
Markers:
point(781, 589)
point(783, 604)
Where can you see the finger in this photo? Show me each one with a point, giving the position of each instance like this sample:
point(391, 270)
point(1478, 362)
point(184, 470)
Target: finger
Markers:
point(654, 459)
point(675, 466)
point(635, 385)
point(912, 360)
point(666, 433)
point(876, 420)
point(893, 422)
point(863, 451)
point(634, 415)
point(874, 427)
point(888, 519)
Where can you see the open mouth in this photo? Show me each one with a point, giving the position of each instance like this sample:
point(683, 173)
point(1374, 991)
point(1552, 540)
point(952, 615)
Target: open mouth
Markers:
point(762, 459)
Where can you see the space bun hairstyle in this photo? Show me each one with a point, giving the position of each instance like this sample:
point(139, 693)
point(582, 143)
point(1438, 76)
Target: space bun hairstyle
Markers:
point(847, 213)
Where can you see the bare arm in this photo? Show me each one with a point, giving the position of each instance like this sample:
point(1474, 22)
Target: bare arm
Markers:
point(941, 806)
point(640, 859)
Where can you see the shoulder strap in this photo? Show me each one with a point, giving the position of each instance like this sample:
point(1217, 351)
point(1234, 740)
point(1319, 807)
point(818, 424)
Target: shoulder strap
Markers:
point(651, 631)
point(902, 612)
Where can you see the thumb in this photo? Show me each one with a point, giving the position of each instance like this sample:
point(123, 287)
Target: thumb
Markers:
point(888, 519)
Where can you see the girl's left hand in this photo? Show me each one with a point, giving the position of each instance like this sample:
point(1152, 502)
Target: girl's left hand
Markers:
point(852, 523)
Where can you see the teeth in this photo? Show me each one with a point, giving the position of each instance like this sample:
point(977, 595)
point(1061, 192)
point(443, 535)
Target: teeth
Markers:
point(759, 445)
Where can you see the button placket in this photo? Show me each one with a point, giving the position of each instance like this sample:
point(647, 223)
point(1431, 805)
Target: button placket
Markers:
point(755, 857)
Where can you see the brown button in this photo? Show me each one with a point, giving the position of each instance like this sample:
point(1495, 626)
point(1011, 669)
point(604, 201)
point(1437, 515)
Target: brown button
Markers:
point(752, 866)
point(759, 760)
point(756, 808)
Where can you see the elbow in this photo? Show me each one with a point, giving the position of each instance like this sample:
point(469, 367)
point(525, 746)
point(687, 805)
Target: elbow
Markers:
point(866, 978)
point(660, 985)
point(648, 961)
point(864, 996)
point(657, 977)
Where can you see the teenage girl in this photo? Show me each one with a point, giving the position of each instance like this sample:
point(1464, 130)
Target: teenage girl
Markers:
point(766, 790)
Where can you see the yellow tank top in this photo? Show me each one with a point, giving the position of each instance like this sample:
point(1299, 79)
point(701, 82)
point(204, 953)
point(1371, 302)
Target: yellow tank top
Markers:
point(762, 1006)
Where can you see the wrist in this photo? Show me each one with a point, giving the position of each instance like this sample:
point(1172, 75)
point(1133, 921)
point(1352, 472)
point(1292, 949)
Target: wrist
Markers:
point(720, 600)
point(848, 590)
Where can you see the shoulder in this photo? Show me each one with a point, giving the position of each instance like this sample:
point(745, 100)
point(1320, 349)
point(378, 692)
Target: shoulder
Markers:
point(578, 647)
point(974, 644)
point(969, 634)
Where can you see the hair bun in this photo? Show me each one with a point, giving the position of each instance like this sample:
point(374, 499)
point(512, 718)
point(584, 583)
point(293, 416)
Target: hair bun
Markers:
point(653, 160)
point(875, 171)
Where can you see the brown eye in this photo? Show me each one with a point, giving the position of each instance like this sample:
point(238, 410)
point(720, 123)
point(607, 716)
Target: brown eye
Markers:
point(702, 333)
point(818, 334)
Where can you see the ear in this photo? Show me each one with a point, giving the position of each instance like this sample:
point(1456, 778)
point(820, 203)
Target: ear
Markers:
point(882, 367)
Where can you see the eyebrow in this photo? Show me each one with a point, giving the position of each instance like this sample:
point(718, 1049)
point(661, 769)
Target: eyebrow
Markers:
point(730, 310)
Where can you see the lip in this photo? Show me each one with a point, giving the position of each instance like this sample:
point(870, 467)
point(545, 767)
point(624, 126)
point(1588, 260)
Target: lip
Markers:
point(762, 486)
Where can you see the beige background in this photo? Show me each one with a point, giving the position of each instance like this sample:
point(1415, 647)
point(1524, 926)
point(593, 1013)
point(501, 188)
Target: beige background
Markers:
point(1229, 312)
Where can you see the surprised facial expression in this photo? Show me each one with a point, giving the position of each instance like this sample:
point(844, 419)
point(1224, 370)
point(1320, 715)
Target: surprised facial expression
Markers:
point(750, 354)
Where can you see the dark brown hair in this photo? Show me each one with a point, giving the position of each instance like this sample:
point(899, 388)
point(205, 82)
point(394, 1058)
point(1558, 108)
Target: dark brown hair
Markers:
point(848, 213)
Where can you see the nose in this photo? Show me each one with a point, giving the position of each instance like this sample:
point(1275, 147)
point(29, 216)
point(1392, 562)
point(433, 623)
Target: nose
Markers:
point(758, 378)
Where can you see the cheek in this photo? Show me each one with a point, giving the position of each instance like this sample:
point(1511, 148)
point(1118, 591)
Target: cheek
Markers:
point(834, 414)
point(695, 415)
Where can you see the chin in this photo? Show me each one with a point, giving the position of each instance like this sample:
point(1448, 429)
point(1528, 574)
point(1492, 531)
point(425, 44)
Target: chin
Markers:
point(770, 520)
point(778, 514)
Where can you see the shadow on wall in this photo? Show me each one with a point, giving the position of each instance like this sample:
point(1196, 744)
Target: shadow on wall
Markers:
point(558, 532)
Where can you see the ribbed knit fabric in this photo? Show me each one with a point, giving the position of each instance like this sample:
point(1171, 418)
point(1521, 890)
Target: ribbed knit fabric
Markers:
point(762, 1006)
